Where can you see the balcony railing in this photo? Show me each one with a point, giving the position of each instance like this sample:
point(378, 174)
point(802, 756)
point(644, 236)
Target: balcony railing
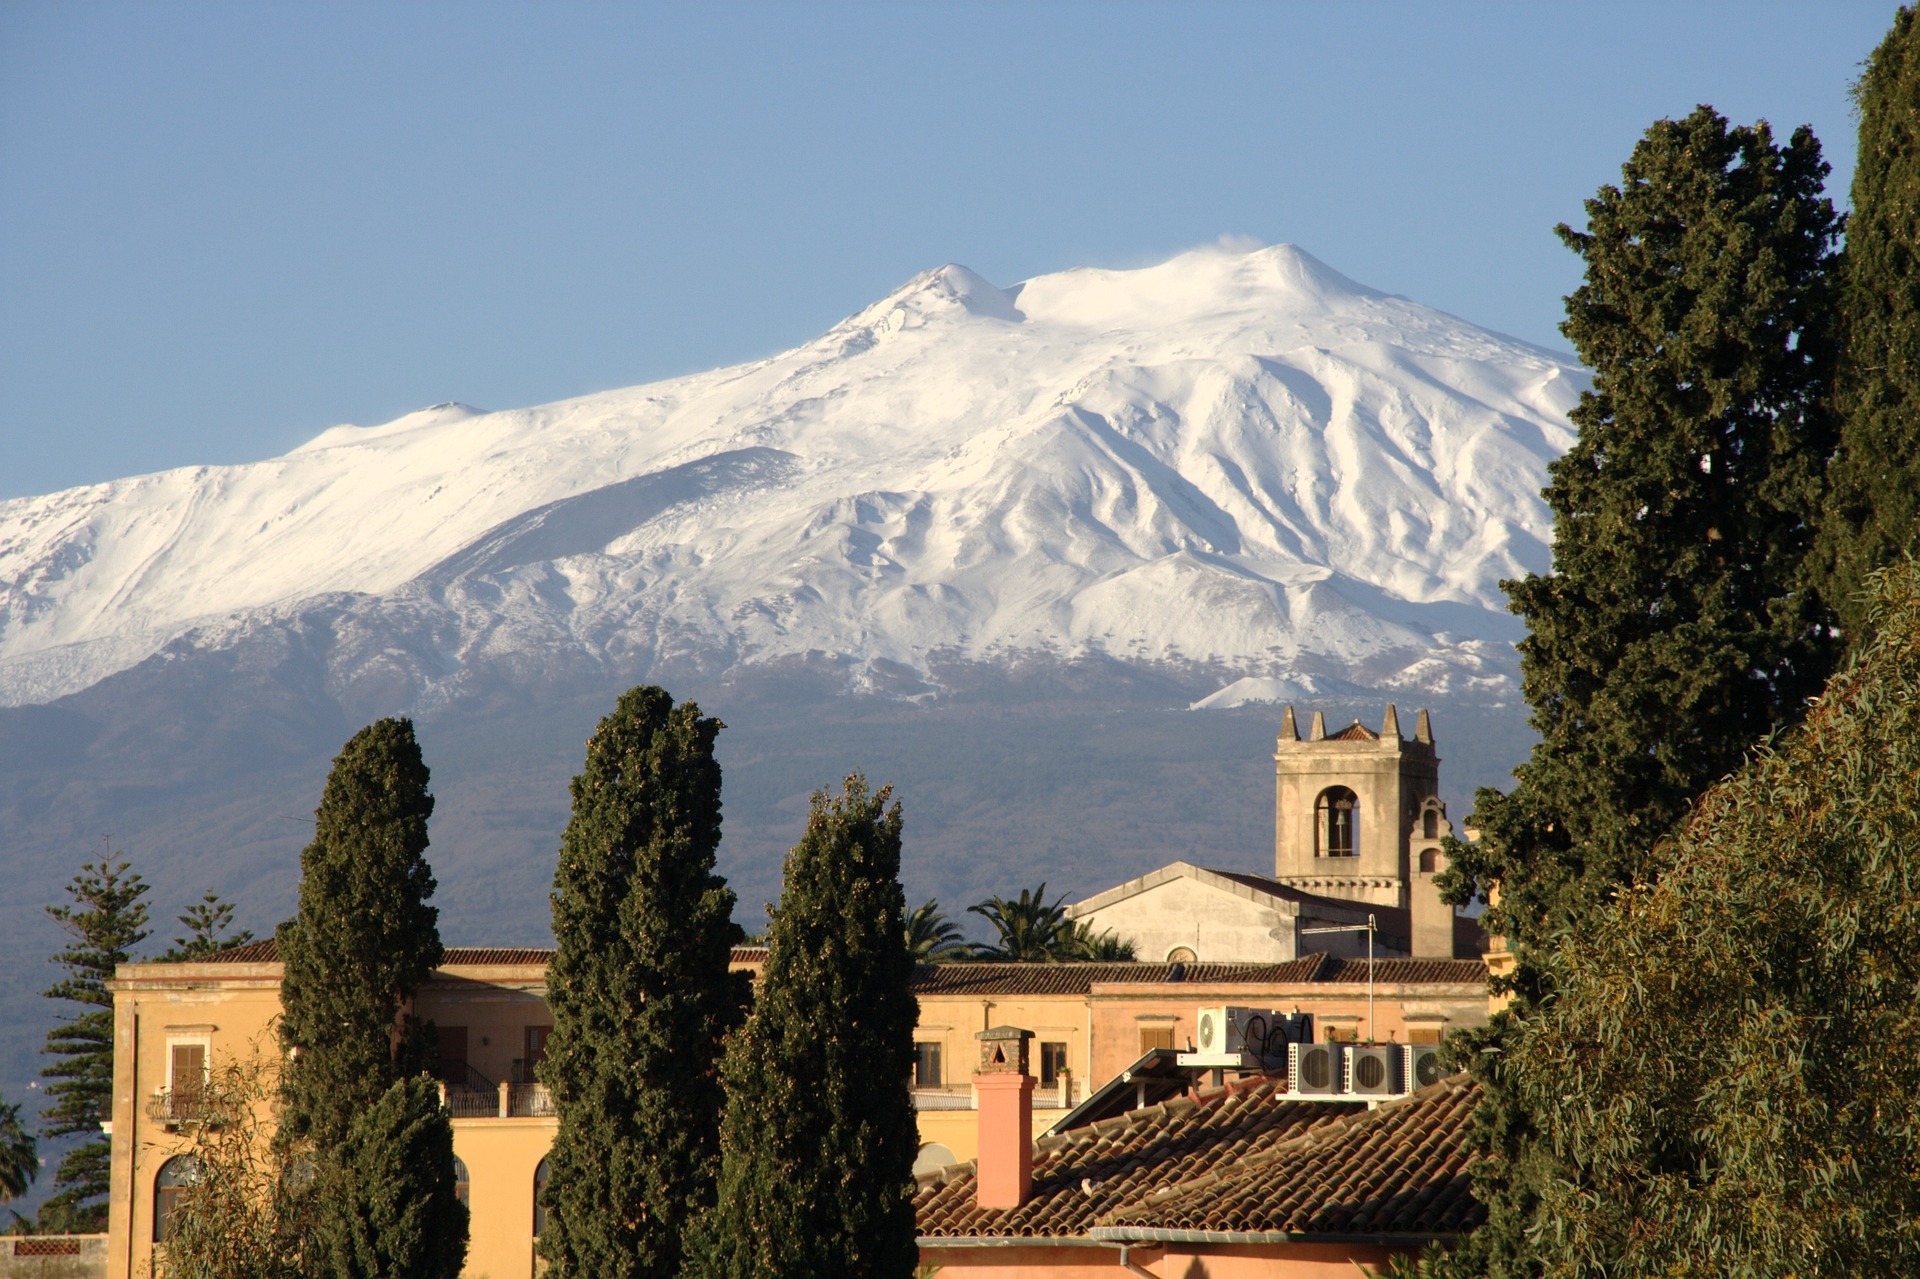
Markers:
point(499, 1101)
point(175, 1108)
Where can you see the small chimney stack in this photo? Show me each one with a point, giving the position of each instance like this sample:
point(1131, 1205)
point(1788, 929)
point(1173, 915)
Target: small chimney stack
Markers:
point(1003, 1176)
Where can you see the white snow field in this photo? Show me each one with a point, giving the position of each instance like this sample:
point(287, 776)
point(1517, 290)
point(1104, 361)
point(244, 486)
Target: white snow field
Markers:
point(1239, 461)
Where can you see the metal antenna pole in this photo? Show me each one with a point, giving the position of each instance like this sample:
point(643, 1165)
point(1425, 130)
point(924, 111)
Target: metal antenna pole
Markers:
point(1368, 928)
point(1370, 1035)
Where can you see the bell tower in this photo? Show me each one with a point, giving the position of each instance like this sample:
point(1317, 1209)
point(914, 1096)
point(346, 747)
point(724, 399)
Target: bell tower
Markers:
point(1347, 806)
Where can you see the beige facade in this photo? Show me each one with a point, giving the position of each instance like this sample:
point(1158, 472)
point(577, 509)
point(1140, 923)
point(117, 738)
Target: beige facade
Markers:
point(1182, 913)
point(1089, 1022)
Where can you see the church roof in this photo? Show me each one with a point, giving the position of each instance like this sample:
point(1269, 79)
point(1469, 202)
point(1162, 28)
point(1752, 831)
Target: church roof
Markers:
point(1240, 883)
point(1354, 732)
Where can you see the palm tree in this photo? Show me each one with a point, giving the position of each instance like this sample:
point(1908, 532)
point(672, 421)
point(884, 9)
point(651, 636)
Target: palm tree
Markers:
point(1108, 946)
point(932, 937)
point(1030, 929)
point(19, 1155)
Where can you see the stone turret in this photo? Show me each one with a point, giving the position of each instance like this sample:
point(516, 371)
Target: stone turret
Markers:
point(1347, 804)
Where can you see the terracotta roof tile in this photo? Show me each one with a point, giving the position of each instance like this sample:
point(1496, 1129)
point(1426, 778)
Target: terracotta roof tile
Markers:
point(1082, 1177)
point(1406, 970)
point(991, 978)
point(1398, 1170)
point(1244, 1158)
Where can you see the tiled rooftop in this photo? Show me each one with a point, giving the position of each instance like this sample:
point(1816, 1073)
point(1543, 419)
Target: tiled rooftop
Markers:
point(970, 978)
point(1398, 1170)
point(1245, 1158)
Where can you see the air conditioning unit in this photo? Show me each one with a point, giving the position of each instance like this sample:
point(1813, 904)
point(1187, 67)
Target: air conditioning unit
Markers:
point(1373, 1070)
point(1316, 1070)
point(1261, 1033)
point(1423, 1066)
point(1216, 1031)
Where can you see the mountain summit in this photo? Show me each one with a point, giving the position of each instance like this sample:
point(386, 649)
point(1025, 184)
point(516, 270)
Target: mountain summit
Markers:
point(1240, 464)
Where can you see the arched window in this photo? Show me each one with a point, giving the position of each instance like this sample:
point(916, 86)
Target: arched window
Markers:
point(1430, 823)
point(169, 1184)
point(459, 1179)
point(1429, 860)
point(1336, 822)
point(539, 1200)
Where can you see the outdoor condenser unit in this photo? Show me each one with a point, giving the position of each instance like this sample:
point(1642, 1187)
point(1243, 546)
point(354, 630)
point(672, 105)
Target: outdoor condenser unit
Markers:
point(1373, 1070)
point(1316, 1070)
point(1423, 1066)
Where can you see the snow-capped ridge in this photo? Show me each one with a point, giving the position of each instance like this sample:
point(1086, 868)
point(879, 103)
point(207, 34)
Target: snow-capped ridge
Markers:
point(348, 433)
point(1237, 462)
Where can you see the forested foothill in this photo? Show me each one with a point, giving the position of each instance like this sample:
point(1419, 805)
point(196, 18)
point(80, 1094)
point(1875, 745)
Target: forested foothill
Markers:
point(1706, 867)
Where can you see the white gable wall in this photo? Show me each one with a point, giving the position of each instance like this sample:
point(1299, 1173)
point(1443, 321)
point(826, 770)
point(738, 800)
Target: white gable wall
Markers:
point(1216, 925)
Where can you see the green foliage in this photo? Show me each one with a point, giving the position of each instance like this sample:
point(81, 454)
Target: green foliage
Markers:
point(1676, 628)
point(640, 993)
point(104, 920)
point(1106, 946)
point(363, 939)
point(1875, 478)
point(1028, 929)
point(1731, 1070)
point(819, 1137)
point(932, 937)
point(250, 1207)
point(209, 925)
point(390, 1208)
point(19, 1154)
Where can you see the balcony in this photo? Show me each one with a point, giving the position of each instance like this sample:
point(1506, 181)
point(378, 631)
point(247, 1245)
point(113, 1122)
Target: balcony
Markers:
point(177, 1108)
point(473, 1096)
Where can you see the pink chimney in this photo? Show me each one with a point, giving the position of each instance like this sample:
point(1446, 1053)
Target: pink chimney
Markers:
point(1004, 1175)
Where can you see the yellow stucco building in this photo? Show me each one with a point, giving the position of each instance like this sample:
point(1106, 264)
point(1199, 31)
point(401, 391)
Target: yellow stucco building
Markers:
point(174, 1022)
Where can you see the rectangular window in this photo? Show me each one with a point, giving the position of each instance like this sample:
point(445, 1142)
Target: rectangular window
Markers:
point(1423, 1034)
point(926, 1065)
point(186, 1073)
point(1152, 1037)
point(1053, 1063)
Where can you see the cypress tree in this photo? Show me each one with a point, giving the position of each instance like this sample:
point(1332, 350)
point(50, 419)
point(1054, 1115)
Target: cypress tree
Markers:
point(392, 1209)
point(104, 921)
point(640, 993)
point(1676, 628)
point(362, 941)
point(1875, 509)
point(819, 1138)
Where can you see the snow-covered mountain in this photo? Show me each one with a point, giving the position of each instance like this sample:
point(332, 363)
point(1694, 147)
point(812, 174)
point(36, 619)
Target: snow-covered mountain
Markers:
point(1239, 463)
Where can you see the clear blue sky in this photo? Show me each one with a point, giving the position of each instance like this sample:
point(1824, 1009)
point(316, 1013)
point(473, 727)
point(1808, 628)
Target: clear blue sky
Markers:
point(226, 227)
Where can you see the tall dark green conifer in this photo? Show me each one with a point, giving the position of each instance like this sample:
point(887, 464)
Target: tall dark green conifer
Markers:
point(1676, 628)
point(105, 920)
point(819, 1138)
point(1875, 509)
point(641, 995)
point(363, 939)
point(391, 1209)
